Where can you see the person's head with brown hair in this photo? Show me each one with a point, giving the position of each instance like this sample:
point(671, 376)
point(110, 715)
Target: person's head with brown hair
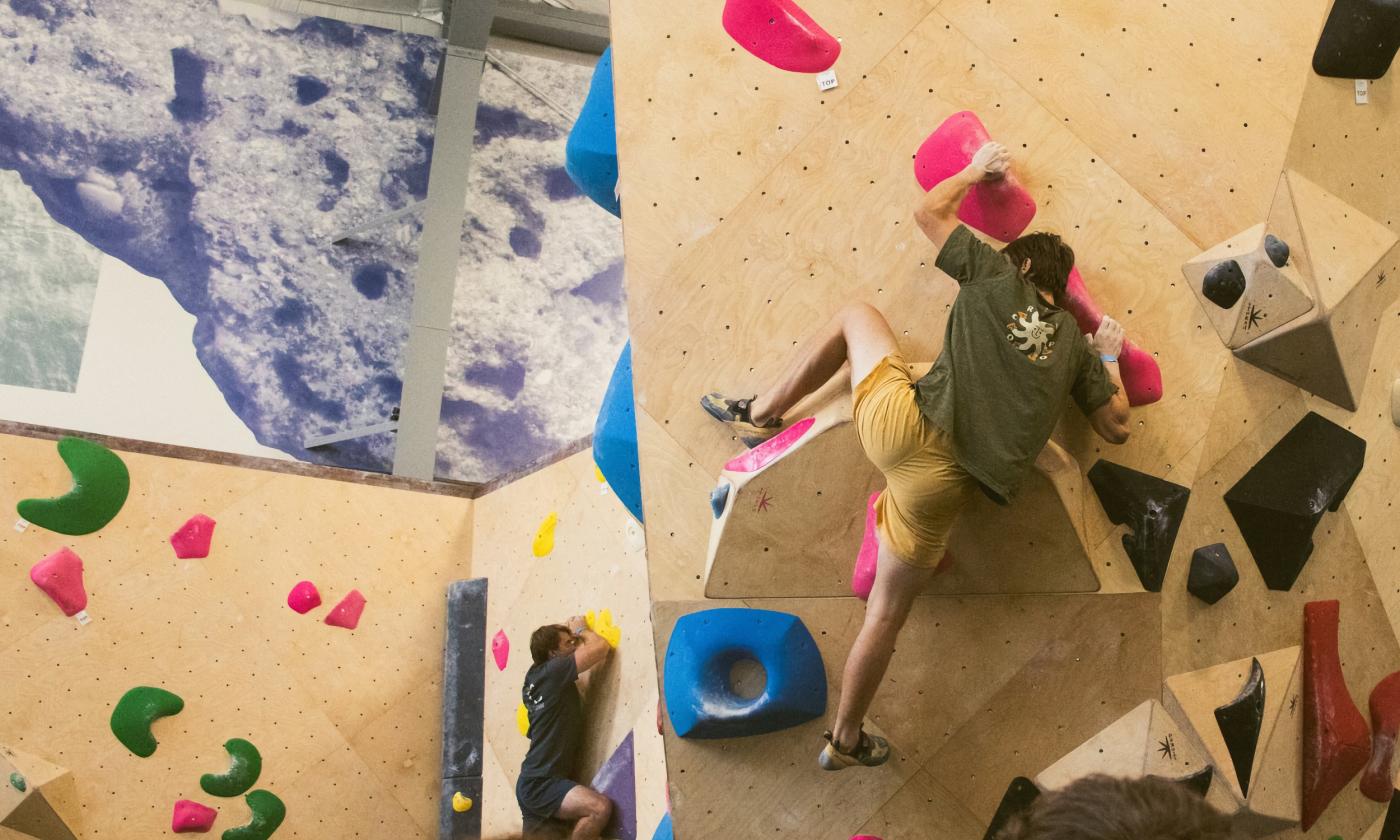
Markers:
point(1044, 259)
point(550, 641)
point(1106, 808)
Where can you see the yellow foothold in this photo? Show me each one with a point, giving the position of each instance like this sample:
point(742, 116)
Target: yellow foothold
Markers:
point(598, 474)
point(522, 720)
point(544, 537)
point(461, 804)
point(602, 624)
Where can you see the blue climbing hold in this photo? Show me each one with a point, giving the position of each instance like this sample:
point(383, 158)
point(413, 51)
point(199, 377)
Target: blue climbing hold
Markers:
point(590, 157)
point(705, 645)
point(719, 497)
point(615, 437)
point(663, 829)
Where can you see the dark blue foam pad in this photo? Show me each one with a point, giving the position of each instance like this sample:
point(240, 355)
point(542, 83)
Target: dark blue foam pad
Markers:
point(705, 645)
point(615, 437)
point(590, 157)
point(464, 679)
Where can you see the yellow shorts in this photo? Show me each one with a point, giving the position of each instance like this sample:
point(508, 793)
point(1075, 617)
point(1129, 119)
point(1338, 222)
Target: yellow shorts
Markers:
point(925, 487)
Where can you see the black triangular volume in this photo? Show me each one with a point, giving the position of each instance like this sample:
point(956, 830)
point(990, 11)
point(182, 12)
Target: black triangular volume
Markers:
point(1390, 829)
point(1152, 509)
point(1240, 722)
point(1016, 801)
point(1278, 503)
point(1198, 782)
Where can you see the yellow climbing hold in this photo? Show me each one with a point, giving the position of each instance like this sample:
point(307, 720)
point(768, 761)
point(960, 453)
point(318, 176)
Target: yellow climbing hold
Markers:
point(602, 624)
point(522, 720)
point(544, 537)
point(598, 474)
point(461, 804)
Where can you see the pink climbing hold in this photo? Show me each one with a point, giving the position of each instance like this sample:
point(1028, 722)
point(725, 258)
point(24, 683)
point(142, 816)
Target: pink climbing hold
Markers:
point(1142, 379)
point(347, 613)
point(864, 576)
point(500, 648)
point(60, 575)
point(781, 33)
point(192, 817)
point(304, 597)
point(1000, 208)
point(193, 538)
point(768, 451)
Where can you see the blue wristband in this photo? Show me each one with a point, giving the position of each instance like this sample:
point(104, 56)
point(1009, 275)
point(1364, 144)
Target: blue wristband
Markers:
point(1106, 359)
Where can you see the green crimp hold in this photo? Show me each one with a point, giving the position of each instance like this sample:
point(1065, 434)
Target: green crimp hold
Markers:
point(18, 783)
point(100, 485)
point(268, 813)
point(244, 767)
point(136, 711)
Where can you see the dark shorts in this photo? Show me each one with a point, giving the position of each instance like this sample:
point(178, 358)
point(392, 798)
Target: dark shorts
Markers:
point(540, 798)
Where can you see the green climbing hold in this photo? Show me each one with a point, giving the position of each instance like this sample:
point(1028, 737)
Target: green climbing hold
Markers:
point(268, 813)
point(18, 783)
point(100, 485)
point(136, 711)
point(244, 767)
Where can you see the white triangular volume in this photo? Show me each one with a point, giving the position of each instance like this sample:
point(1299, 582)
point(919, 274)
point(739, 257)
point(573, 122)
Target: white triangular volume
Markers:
point(1146, 741)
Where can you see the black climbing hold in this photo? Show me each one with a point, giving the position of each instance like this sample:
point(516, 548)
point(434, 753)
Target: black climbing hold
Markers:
point(1277, 250)
point(1278, 503)
point(1359, 40)
point(1151, 507)
point(718, 497)
point(1016, 801)
point(1198, 782)
point(1390, 829)
point(1224, 284)
point(1240, 721)
point(1213, 573)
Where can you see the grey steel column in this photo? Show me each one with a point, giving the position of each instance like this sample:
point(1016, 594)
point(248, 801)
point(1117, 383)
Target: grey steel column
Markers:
point(425, 357)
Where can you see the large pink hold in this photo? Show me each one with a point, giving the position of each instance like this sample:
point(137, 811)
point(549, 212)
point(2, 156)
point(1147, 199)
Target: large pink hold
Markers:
point(500, 648)
point(780, 33)
point(347, 613)
point(193, 538)
point(192, 817)
point(1000, 208)
point(1142, 379)
point(304, 597)
point(863, 578)
point(768, 451)
point(60, 575)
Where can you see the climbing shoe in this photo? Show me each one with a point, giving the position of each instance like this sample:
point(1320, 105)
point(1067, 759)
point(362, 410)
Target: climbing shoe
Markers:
point(871, 752)
point(735, 414)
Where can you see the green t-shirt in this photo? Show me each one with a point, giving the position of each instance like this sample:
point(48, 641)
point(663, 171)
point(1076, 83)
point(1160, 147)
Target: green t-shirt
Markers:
point(1009, 361)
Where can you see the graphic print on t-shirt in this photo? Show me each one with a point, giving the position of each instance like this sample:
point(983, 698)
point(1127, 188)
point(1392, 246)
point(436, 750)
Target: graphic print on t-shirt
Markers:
point(1032, 336)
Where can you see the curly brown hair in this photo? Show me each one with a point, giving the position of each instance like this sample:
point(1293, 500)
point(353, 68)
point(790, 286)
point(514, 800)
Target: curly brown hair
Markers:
point(1051, 260)
point(1102, 807)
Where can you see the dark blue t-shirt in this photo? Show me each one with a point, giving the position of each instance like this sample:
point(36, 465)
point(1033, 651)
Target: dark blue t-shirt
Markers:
point(556, 718)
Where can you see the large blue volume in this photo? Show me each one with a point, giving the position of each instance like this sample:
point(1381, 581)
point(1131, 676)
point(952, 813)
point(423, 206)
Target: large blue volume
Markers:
point(590, 157)
point(704, 646)
point(615, 437)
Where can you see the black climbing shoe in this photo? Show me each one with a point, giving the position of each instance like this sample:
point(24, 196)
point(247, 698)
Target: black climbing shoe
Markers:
point(735, 414)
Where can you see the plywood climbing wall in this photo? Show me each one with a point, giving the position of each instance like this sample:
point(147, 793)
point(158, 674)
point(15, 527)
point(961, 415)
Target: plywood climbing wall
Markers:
point(347, 722)
point(595, 561)
point(755, 205)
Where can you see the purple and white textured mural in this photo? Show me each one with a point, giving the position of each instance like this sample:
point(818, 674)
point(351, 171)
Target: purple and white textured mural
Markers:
point(221, 152)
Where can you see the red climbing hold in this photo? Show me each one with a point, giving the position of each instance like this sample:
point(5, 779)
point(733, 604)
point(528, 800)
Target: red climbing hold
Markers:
point(780, 33)
point(1336, 742)
point(347, 613)
point(1142, 379)
point(193, 538)
point(60, 575)
point(304, 597)
point(192, 816)
point(1378, 780)
point(1000, 208)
